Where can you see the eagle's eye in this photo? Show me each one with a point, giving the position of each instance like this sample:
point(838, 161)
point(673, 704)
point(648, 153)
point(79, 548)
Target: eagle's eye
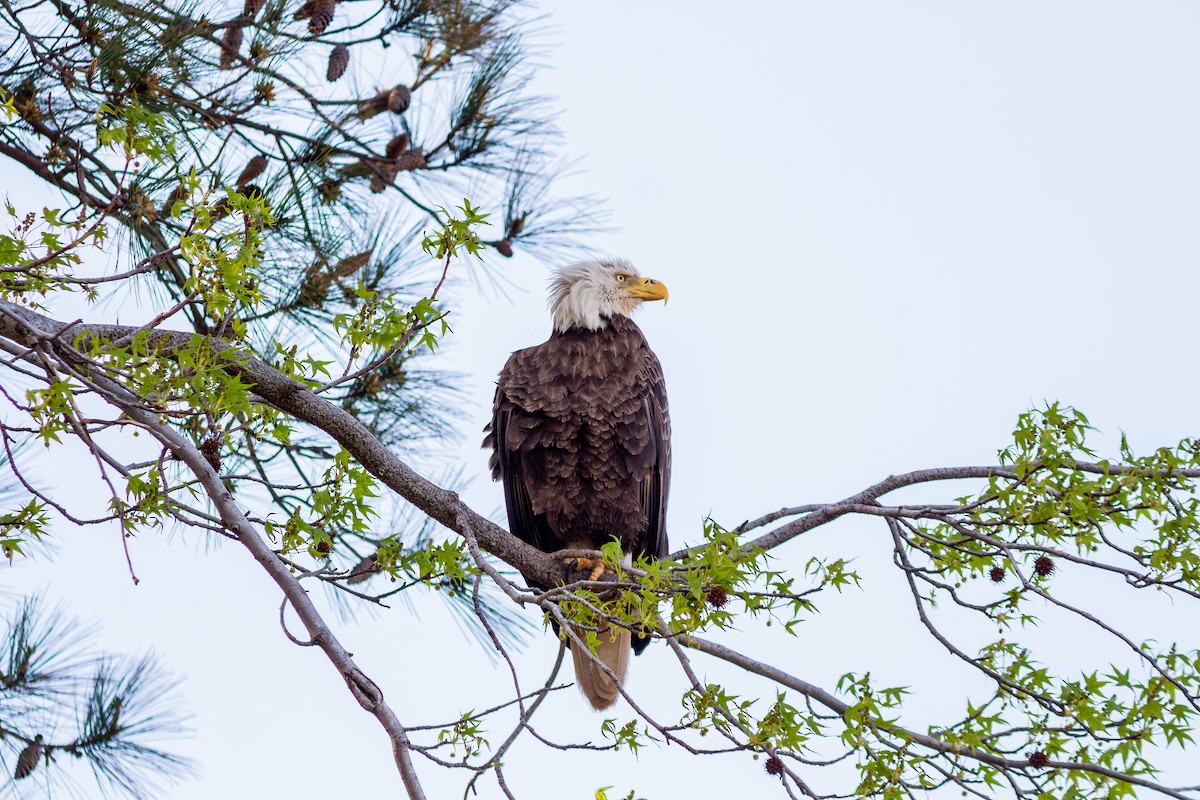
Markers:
point(620, 279)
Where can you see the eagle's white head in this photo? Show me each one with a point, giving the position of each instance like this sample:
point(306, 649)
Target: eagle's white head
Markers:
point(586, 294)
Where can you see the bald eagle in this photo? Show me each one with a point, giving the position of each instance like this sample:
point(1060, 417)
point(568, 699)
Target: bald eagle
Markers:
point(581, 438)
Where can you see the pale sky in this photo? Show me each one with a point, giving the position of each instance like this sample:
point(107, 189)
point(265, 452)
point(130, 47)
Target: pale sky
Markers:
point(887, 229)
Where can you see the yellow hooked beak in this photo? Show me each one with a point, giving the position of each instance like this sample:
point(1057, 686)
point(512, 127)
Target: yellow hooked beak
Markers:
point(647, 289)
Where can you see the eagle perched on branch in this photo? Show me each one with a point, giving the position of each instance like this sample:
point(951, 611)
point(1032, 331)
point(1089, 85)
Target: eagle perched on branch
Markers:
point(581, 437)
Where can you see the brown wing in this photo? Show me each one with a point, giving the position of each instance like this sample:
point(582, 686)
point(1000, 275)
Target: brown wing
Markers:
point(658, 483)
point(506, 467)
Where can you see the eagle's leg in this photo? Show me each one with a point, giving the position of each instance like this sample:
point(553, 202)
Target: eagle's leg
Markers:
point(597, 570)
point(596, 565)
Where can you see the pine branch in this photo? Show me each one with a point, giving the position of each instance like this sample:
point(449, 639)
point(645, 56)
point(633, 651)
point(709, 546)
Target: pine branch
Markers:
point(59, 695)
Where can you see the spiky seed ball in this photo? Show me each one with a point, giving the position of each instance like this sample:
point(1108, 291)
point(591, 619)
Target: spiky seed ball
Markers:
point(1043, 566)
point(339, 59)
point(397, 146)
point(399, 98)
point(210, 448)
point(324, 547)
point(413, 159)
point(774, 765)
point(322, 15)
point(717, 596)
point(997, 574)
point(231, 43)
point(1037, 759)
point(253, 169)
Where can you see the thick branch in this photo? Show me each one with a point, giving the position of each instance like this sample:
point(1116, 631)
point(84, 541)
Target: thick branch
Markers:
point(28, 328)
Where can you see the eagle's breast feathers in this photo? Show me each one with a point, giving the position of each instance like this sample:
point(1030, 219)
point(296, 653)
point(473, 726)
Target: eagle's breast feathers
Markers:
point(585, 427)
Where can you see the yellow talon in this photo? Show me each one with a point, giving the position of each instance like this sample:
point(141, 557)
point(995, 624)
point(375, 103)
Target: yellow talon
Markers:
point(597, 566)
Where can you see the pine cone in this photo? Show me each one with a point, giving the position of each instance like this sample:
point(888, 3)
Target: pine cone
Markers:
point(27, 761)
point(255, 168)
point(315, 287)
point(175, 196)
point(516, 225)
point(360, 168)
point(383, 176)
point(231, 43)
point(329, 190)
point(397, 146)
point(251, 8)
point(211, 117)
point(399, 98)
point(503, 247)
point(364, 569)
point(25, 101)
point(352, 264)
point(339, 59)
point(220, 209)
point(373, 106)
point(322, 15)
point(141, 207)
point(369, 386)
point(305, 11)
point(412, 159)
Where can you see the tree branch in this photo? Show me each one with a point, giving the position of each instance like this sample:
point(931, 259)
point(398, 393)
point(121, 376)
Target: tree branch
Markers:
point(26, 328)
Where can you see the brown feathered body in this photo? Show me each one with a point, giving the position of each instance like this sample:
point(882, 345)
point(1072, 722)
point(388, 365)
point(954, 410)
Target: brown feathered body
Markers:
point(581, 439)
